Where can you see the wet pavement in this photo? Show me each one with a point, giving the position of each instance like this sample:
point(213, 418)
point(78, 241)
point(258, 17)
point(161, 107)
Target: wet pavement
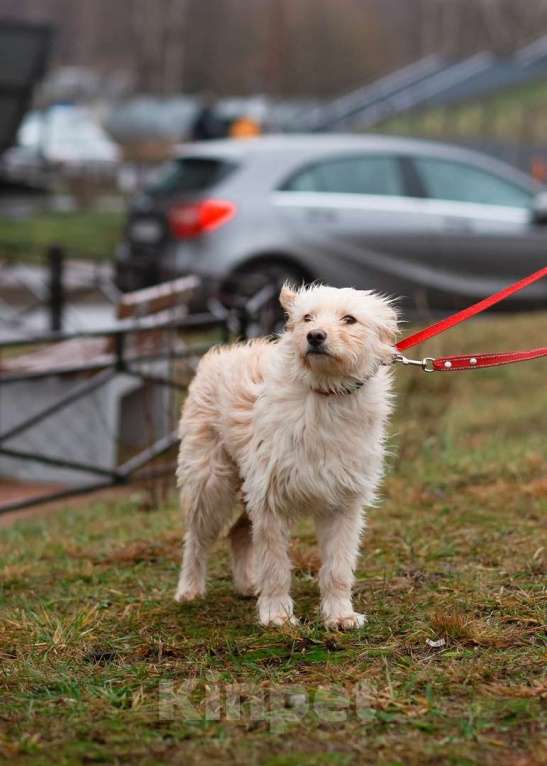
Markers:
point(77, 316)
point(90, 299)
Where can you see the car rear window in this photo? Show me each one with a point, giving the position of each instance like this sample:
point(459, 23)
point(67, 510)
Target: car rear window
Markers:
point(190, 174)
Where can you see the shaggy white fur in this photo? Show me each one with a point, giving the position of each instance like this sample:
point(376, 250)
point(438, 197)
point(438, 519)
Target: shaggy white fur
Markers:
point(296, 427)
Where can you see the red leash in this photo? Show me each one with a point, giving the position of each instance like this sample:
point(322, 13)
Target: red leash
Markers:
point(471, 361)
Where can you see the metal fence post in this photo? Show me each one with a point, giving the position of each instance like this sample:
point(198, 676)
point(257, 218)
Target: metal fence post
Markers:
point(56, 257)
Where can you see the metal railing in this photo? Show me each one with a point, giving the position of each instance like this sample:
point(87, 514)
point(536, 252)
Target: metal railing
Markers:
point(129, 348)
point(43, 284)
point(125, 355)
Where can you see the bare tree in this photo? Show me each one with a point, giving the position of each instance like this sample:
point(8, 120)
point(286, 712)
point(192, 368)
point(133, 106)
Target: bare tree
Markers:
point(283, 47)
point(174, 45)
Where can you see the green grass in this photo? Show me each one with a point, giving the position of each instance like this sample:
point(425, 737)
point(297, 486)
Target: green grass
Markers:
point(86, 234)
point(89, 632)
point(517, 114)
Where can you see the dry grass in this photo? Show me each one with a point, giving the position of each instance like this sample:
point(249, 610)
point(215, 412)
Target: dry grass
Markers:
point(455, 554)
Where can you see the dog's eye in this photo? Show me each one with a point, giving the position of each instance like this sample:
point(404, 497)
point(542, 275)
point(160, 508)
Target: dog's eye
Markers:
point(307, 317)
point(348, 319)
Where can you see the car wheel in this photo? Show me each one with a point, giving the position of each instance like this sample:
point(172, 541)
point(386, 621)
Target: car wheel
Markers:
point(253, 295)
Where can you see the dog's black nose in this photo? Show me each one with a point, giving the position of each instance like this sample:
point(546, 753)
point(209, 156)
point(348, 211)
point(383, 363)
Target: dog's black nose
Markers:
point(316, 338)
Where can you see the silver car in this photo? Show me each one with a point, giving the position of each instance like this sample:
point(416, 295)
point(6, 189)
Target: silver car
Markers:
point(437, 225)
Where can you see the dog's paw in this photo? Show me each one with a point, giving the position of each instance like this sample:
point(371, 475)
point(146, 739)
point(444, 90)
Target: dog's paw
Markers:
point(278, 621)
point(244, 585)
point(244, 577)
point(351, 621)
point(276, 612)
point(183, 595)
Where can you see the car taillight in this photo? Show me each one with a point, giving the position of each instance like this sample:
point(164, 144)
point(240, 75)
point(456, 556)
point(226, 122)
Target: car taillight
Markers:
point(190, 219)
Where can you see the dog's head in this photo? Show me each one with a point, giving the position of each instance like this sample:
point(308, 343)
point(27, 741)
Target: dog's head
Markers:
point(339, 333)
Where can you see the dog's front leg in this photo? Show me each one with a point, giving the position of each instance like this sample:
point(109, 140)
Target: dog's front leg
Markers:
point(338, 534)
point(272, 568)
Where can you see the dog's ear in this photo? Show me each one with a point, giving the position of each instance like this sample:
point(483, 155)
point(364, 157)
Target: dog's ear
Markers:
point(387, 321)
point(383, 315)
point(287, 297)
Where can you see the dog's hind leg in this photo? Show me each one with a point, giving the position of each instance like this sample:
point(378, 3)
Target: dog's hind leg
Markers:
point(208, 496)
point(241, 542)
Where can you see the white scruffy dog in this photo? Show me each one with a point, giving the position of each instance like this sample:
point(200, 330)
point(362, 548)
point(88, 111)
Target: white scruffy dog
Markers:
point(295, 427)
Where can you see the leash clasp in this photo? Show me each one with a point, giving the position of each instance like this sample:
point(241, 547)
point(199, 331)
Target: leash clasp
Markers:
point(426, 363)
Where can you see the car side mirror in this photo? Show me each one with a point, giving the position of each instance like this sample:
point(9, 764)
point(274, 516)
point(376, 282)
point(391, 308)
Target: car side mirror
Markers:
point(539, 209)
